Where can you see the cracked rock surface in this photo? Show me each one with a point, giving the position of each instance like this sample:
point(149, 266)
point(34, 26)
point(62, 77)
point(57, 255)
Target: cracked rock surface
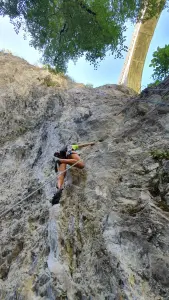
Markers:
point(108, 239)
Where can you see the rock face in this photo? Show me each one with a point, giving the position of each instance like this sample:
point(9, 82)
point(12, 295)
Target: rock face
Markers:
point(108, 239)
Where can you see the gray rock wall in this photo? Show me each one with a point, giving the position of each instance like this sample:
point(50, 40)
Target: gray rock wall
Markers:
point(109, 236)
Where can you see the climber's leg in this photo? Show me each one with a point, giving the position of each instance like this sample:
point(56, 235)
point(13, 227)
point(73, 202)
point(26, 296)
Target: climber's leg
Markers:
point(73, 158)
point(80, 164)
point(61, 168)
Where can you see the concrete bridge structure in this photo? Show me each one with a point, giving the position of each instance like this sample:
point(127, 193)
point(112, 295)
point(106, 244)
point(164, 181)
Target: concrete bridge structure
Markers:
point(131, 74)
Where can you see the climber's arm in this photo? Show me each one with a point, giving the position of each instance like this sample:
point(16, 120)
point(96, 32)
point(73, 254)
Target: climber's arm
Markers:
point(86, 144)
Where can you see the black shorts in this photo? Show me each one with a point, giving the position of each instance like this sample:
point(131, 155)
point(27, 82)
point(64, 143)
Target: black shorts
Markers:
point(63, 152)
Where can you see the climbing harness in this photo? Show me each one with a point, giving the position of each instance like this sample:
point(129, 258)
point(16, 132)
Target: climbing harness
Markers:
point(28, 196)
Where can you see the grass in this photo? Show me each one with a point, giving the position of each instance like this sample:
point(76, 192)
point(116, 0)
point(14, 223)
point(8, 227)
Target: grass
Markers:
point(55, 72)
point(163, 205)
point(5, 51)
point(160, 154)
point(49, 82)
point(89, 85)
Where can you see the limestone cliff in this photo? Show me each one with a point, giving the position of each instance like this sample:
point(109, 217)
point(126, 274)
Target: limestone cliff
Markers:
point(109, 237)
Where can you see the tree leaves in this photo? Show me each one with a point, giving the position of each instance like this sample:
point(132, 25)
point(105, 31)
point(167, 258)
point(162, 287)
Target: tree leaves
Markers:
point(160, 63)
point(68, 29)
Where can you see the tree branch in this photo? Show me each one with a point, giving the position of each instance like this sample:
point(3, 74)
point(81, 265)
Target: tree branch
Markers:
point(64, 29)
point(84, 6)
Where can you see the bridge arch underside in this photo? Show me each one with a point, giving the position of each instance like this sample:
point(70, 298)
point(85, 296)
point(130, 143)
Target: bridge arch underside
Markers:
point(135, 70)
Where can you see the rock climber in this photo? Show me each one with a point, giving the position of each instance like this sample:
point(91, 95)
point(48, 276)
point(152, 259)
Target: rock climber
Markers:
point(67, 156)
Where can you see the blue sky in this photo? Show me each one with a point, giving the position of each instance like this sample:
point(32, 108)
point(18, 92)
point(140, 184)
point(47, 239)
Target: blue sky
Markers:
point(109, 69)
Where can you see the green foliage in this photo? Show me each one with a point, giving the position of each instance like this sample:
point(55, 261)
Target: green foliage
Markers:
point(160, 154)
point(67, 29)
point(89, 85)
point(50, 69)
point(160, 63)
point(5, 51)
point(48, 81)
point(132, 210)
point(21, 130)
point(155, 83)
point(54, 71)
point(163, 205)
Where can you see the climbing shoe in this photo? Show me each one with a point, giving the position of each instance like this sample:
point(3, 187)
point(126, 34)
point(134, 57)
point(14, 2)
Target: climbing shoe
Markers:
point(57, 162)
point(56, 197)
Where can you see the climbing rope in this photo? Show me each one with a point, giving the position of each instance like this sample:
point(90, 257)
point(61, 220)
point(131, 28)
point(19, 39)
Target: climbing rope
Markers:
point(29, 195)
point(59, 173)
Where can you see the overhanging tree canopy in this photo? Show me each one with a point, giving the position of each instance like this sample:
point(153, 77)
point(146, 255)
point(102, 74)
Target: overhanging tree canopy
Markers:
point(67, 29)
